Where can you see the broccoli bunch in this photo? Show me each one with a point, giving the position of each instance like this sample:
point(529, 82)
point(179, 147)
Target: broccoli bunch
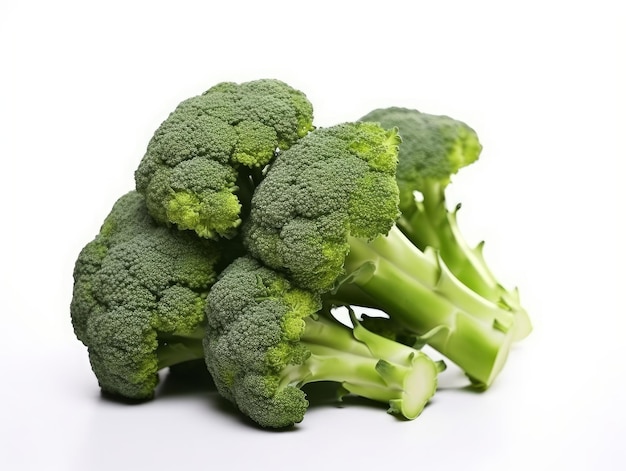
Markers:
point(249, 226)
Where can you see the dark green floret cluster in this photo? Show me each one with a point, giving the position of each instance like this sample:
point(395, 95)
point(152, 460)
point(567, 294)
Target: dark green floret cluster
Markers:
point(249, 228)
point(213, 147)
point(139, 295)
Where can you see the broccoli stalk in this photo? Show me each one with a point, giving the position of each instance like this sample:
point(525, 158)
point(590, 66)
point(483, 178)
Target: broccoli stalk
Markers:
point(178, 347)
point(431, 224)
point(373, 367)
point(424, 298)
point(266, 339)
point(325, 215)
point(433, 149)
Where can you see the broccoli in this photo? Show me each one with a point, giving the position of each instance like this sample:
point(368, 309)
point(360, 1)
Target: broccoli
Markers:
point(247, 227)
point(202, 164)
point(139, 295)
point(267, 338)
point(433, 149)
point(325, 215)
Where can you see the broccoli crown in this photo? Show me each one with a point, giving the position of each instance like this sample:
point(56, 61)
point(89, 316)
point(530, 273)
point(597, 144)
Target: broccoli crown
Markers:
point(433, 147)
point(139, 294)
point(334, 183)
point(255, 321)
point(208, 147)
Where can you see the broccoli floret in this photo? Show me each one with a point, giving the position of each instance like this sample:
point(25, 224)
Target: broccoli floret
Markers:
point(203, 162)
point(336, 181)
point(266, 339)
point(325, 215)
point(139, 295)
point(433, 149)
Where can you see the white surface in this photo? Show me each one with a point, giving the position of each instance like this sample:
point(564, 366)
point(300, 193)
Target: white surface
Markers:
point(84, 85)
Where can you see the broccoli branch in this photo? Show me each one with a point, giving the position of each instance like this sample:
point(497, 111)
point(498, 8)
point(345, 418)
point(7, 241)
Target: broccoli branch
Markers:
point(468, 329)
point(428, 223)
point(365, 364)
point(178, 347)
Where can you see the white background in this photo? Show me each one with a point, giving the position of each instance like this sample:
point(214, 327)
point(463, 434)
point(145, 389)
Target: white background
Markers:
point(84, 84)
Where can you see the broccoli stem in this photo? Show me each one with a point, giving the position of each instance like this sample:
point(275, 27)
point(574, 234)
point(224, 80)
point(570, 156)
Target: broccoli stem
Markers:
point(418, 292)
point(367, 365)
point(178, 348)
point(428, 223)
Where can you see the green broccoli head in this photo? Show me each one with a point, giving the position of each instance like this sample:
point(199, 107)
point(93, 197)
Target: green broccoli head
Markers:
point(334, 183)
point(266, 339)
point(138, 300)
point(433, 148)
point(199, 164)
point(255, 321)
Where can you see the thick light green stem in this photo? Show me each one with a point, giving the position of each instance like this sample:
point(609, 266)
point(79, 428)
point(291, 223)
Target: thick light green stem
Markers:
point(367, 365)
point(418, 291)
point(428, 223)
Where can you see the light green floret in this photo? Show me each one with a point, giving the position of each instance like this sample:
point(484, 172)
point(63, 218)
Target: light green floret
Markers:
point(204, 161)
point(433, 149)
point(139, 295)
point(266, 339)
point(325, 216)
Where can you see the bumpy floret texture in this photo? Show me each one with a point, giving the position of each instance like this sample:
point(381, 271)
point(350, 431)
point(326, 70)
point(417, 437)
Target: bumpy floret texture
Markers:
point(201, 159)
point(139, 292)
point(335, 183)
point(433, 148)
point(255, 321)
